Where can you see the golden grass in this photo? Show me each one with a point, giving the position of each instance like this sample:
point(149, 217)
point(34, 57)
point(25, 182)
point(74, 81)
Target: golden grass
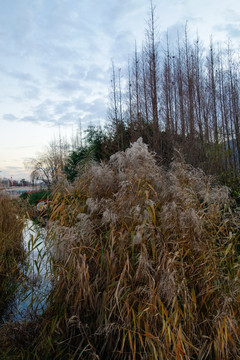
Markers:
point(146, 262)
point(10, 248)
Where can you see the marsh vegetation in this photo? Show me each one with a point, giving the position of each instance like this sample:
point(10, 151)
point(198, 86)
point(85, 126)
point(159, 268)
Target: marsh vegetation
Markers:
point(11, 250)
point(144, 265)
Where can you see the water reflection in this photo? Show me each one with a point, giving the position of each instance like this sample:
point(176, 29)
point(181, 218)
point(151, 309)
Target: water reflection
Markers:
point(30, 298)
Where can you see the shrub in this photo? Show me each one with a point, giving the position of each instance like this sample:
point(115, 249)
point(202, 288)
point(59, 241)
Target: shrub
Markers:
point(232, 180)
point(24, 196)
point(37, 196)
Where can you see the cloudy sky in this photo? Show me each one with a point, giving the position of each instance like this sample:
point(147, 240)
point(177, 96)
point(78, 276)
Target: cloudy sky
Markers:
point(55, 61)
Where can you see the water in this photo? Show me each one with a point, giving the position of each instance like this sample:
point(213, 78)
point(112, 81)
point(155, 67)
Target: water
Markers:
point(35, 284)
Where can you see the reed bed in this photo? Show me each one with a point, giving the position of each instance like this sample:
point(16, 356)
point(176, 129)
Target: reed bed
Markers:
point(146, 264)
point(11, 250)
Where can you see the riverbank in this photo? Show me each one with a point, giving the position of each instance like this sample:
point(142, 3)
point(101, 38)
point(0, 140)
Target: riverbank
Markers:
point(16, 191)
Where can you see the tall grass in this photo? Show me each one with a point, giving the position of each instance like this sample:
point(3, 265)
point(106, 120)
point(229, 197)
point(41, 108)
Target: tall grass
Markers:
point(146, 264)
point(11, 250)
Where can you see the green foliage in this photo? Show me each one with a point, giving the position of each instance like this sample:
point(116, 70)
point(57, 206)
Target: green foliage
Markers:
point(95, 138)
point(95, 149)
point(24, 196)
point(232, 180)
point(37, 196)
point(74, 161)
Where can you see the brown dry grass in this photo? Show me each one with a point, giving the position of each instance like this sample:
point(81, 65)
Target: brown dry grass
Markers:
point(146, 262)
point(11, 250)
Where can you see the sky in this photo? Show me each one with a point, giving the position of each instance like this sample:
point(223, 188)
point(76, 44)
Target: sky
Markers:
point(56, 55)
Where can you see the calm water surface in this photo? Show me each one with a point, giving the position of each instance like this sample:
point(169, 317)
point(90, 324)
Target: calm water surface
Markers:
point(30, 298)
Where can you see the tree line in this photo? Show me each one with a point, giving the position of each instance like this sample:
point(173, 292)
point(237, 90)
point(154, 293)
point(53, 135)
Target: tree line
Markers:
point(173, 95)
point(180, 95)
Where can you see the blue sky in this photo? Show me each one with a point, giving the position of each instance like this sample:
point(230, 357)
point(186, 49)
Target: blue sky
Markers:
point(55, 61)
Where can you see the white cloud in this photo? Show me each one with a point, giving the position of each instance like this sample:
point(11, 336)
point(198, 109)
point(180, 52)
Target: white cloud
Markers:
point(56, 55)
point(10, 117)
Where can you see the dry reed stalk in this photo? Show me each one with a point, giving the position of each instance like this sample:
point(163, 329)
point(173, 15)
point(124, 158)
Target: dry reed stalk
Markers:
point(11, 250)
point(146, 261)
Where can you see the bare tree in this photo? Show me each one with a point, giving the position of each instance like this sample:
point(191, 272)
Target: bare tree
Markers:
point(152, 61)
point(46, 166)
